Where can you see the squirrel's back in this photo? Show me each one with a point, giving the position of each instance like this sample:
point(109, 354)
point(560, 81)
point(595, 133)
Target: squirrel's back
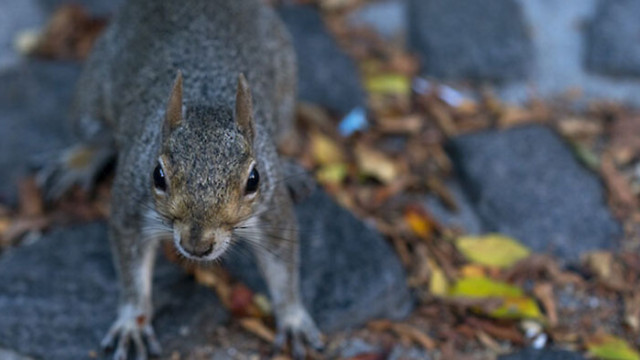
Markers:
point(210, 42)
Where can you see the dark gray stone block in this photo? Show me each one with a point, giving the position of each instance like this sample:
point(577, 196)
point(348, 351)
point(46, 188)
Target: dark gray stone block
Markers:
point(525, 182)
point(388, 18)
point(58, 297)
point(465, 218)
point(326, 75)
point(470, 40)
point(34, 103)
point(613, 42)
point(16, 16)
point(544, 354)
point(349, 273)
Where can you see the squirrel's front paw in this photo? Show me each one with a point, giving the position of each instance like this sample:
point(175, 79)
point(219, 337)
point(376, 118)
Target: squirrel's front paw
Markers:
point(132, 327)
point(297, 327)
point(78, 165)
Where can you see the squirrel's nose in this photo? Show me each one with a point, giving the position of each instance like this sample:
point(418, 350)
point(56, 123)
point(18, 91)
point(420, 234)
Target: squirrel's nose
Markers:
point(200, 249)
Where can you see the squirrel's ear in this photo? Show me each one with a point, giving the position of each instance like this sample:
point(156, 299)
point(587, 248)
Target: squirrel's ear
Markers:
point(173, 116)
point(244, 107)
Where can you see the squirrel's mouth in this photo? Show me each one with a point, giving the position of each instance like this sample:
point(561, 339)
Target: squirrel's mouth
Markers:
point(208, 254)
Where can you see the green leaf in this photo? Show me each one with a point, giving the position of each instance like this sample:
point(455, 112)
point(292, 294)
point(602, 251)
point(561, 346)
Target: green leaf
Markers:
point(609, 347)
point(388, 84)
point(515, 304)
point(492, 250)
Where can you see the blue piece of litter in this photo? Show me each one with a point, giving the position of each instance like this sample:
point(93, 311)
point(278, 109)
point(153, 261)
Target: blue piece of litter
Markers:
point(355, 120)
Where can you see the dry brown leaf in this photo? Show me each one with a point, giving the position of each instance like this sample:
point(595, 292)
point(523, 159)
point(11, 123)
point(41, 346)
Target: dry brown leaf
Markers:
point(325, 150)
point(513, 115)
point(369, 356)
point(258, 328)
point(443, 118)
point(544, 293)
point(502, 331)
point(577, 127)
point(406, 330)
point(377, 164)
point(490, 343)
point(30, 198)
point(69, 34)
point(608, 270)
point(625, 134)
point(632, 311)
point(408, 125)
point(22, 225)
point(217, 280)
point(623, 197)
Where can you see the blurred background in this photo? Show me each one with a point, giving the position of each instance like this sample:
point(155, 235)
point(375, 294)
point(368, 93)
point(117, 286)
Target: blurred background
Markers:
point(478, 171)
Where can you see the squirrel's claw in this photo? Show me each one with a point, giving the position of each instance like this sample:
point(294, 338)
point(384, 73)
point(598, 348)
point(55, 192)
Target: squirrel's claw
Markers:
point(78, 165)
point(299, 330)
point(124, 332)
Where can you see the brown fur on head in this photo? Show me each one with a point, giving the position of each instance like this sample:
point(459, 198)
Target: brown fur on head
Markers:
point(206, 182)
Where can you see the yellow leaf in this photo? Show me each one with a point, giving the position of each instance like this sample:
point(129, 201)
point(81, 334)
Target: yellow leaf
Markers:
point(325, 150)
point(609, 347)
point(388, 84)
point(518, 307)
point(471, 270)
point(332, 174)
point(377, 164)
point(419, 223)
point(482, 287)
point(515, 304)
point(438, 285)
point(492, 250)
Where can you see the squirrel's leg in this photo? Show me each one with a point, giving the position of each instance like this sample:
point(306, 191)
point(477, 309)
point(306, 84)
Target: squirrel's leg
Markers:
point(78, 165)
point(90, 118)
point(278, 260)
point(134, 258)
point(134, 254)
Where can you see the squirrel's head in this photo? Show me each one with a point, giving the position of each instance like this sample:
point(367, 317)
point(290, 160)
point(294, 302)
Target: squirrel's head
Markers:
point(206, 181)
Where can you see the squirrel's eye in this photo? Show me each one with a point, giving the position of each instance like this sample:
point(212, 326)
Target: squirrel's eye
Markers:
point(159, 180)
point(252, 181)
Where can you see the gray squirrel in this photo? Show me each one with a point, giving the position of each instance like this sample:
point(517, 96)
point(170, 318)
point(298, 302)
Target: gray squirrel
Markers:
point(192, 96)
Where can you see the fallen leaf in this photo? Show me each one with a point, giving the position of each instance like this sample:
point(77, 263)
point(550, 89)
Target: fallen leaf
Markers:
point(30, 198)
point(438, 285)
point(608, 271)
point(241, 303)
point(490, 343)
point(388, 84)
point(514, 115)
point(258, 328)
point(503, 331)
point(609, 347)
point(404, 330)
point(376, 164)
point(22, 225)
point(369, 356)
point(332, 174)
point(544, 292)
point(515, 304)
point(325, 150)
point(419, 221)
point(69, 34)
point(623, 197)
point(400, 125)
point(632, 311)
point(215, 279)
point(492, 250)
point(473, 270)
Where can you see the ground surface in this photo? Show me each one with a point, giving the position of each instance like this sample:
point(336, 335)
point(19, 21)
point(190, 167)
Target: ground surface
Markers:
point(558, 182)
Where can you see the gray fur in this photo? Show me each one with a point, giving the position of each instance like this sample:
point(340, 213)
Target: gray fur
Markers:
point(121, 103)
